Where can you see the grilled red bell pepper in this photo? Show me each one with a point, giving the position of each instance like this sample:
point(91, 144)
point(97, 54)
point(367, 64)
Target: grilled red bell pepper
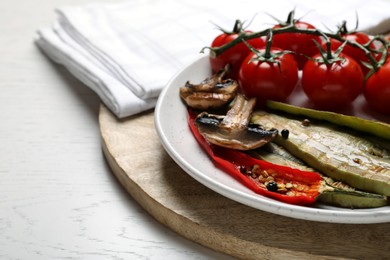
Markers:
point(282, 183)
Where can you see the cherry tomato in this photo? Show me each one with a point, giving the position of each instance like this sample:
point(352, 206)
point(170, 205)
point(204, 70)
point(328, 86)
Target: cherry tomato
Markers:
point(300, 43)
point(268, 80)
point(377, 89)
point(235, 55)
point(354, 52)
point(332, 86)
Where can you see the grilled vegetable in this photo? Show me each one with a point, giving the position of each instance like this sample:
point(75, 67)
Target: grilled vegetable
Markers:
point(212, 93)
point(369, 126)
point(285, 184)
point(342, 155)
point(352, 199)
point(233, 129)
point(337, 193)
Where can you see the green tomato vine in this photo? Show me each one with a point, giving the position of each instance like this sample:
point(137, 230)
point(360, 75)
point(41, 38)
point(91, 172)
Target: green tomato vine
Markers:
point(289, 27)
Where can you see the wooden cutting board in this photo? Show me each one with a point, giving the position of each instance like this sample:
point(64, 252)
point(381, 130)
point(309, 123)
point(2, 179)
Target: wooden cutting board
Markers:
point(142, 166)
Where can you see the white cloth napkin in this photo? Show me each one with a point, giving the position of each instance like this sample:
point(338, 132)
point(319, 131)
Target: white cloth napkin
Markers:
point(126, 52)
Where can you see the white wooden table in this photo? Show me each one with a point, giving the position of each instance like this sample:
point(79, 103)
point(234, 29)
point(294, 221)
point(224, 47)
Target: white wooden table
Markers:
point(58, 198)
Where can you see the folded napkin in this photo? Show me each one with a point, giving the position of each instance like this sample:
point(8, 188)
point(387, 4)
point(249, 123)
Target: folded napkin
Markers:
point(126, 52)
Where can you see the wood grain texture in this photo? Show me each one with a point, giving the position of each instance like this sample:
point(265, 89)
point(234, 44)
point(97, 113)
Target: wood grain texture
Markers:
point(139, 161)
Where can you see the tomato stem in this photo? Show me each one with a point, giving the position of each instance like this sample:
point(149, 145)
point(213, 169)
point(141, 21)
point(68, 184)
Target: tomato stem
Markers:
point(237, 27)
point(329, 55)
point(290, 18)
point(268, 46)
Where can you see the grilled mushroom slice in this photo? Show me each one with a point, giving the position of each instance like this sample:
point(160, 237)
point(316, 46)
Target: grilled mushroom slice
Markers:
point(212, 93)
point(233, 130)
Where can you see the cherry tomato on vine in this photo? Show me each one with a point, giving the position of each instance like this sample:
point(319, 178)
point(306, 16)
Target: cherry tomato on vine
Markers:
point(266, 79)
point(377, 89)
point(236, 54)
point(332, 86)
point(300, 43)
point(354, 52)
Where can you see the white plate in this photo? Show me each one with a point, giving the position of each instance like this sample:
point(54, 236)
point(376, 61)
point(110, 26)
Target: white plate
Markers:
point(172, 128)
